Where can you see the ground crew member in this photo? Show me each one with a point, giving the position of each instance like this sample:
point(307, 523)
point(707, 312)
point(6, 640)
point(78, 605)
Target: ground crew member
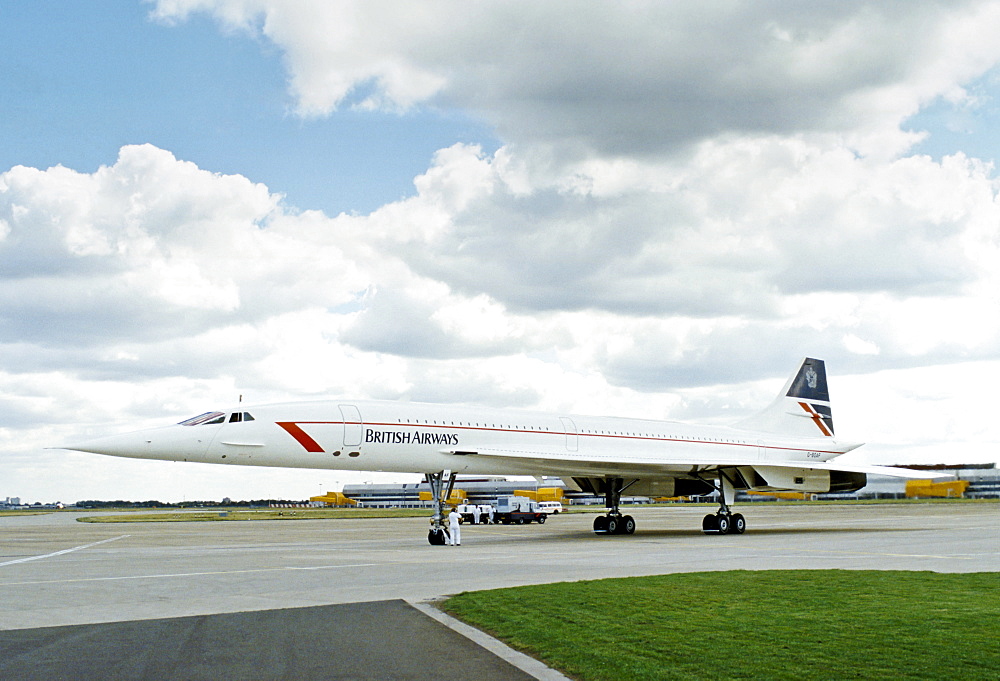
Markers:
point(491, 514)
point(454, 528)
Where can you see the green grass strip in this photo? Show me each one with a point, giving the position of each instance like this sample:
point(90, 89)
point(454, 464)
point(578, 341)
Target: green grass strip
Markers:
point(782, 624)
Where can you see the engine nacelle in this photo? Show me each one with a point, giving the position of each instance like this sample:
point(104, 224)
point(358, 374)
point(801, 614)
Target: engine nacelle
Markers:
point(817, 481)
point(650, 487)
point(844, 481)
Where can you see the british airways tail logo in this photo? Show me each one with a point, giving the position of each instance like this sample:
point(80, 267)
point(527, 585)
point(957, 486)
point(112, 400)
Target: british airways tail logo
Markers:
point(820, 416)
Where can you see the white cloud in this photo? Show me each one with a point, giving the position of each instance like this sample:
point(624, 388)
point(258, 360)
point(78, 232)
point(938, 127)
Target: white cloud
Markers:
point(736, 231)
point(921, 415)
point(690, 198)
point(860, 346)
point(633, 79)
point(557, 296)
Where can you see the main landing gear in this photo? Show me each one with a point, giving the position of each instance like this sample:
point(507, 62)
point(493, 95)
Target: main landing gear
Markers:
point(724, 521)
point(441, 485)
point(614, 522)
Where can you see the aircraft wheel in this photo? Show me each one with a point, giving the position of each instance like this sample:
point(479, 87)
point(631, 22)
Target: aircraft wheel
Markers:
point(436, 537)
point(628, 525)
point(710, 523)
point(614, 525)
point(725, 524)
point(739, 525)
point(601, 524)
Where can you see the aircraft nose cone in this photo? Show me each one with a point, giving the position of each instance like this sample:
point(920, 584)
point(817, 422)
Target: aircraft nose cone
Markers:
point(161, 443)
point(129, 444)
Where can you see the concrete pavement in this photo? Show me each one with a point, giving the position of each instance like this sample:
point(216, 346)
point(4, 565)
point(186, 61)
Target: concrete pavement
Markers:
point(56, 572)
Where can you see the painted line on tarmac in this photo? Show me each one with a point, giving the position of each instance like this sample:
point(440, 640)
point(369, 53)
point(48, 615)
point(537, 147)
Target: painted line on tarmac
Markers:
point(184, 574)
point(525, 663)
point(63, 552)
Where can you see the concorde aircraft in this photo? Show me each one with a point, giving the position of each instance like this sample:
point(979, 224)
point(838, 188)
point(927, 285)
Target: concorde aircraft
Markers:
point(789, 446)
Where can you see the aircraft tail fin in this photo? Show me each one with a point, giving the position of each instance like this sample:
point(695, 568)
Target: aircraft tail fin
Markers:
point(802, 408)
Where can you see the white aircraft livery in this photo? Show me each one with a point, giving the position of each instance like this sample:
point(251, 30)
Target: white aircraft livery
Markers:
point(789, 446)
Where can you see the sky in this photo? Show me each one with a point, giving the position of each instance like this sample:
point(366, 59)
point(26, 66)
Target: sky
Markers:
point(648, 209)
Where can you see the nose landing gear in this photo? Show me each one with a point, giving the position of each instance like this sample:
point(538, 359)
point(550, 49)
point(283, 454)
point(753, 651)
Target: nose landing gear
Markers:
point(437, 535)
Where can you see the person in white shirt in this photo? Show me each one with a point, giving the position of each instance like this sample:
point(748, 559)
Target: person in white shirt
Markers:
point(454, 528)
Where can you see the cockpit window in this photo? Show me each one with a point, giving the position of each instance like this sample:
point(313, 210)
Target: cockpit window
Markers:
point(206, 418)
point(213, 417)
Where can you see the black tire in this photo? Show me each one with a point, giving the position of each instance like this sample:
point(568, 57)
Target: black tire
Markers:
point(541, 519)
point(601, 524)
point(710, 523)
point(436, 537)
point(614, 525)
point(739, 524)
point(628, 525)
point(725, 524)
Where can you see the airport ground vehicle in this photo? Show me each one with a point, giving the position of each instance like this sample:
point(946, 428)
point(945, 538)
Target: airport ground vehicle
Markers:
point(518, 510)
point(467, 512)
point(550, 507)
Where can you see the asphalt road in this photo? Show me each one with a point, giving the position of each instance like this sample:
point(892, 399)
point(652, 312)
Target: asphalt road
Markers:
point(56, 572)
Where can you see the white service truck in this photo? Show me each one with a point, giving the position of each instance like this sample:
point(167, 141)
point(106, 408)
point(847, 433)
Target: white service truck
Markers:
point(472, 513)
point(516, 510)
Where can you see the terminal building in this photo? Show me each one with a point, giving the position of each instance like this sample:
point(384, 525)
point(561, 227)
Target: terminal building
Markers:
point(477, 490)
point(969, 481)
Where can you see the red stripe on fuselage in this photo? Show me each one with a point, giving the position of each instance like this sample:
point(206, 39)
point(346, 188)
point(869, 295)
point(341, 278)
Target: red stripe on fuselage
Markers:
point(300, 436)
point(293, 429)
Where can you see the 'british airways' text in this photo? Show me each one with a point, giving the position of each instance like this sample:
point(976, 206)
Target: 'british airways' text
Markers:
point(405, 437)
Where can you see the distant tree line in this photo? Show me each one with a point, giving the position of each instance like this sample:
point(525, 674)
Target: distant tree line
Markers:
point(95, 504)
point(91, 503)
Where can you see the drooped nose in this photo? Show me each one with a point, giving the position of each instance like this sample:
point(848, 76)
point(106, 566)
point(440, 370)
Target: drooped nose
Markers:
point(170, 443)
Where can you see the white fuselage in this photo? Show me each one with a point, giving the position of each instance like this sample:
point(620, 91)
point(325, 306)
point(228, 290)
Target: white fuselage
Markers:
point(421, 438)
